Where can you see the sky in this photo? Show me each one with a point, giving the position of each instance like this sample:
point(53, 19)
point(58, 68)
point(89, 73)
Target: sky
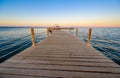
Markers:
point(84, 13)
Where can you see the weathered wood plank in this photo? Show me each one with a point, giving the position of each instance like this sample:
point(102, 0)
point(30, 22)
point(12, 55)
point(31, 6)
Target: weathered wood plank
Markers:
point(94, 64)
point(57, 73)
point(62, 68)
point(21, 76)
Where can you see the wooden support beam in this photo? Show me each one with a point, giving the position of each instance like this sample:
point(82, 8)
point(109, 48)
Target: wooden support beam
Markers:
point(77, 32)
point(47, 32)
point(33, 36)
point(89, 36)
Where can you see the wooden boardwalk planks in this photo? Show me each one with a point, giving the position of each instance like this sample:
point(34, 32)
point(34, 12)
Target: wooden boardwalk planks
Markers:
point(60, 55)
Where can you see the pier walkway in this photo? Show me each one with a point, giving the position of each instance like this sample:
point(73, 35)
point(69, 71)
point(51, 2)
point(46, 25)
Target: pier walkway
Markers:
point(60, 56)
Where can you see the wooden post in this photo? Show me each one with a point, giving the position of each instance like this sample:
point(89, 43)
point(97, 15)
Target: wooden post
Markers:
point(33, 36)
point(89, 36)
point(77, 32)
point(47, 32)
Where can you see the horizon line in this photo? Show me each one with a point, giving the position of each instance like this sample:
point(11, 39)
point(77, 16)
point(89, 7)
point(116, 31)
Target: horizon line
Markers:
point(69, 26)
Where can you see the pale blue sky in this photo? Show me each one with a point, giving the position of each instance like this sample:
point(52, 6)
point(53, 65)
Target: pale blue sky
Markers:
point(63, 12)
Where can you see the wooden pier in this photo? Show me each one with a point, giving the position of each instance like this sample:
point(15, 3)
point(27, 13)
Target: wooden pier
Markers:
point(60, 55)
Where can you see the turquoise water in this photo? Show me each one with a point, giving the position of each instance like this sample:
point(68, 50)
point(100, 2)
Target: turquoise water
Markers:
point(15, 40)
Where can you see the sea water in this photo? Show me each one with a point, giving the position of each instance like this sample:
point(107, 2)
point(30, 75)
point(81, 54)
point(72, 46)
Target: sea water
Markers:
point(16, 39)
point(105, 40)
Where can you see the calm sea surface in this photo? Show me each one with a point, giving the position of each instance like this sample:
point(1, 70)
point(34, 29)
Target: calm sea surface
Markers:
point(15, 40)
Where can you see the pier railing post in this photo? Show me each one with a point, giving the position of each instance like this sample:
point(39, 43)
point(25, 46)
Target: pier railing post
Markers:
point(47, 32)
point(33, 36)
point(89, 36)
point(77, 32)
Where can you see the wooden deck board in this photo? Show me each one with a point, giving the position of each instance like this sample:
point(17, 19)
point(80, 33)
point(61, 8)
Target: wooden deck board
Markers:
point(67, 63)
point(60, 55)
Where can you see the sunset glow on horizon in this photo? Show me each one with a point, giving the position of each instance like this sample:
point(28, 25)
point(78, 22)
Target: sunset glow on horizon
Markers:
point(84, 13)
